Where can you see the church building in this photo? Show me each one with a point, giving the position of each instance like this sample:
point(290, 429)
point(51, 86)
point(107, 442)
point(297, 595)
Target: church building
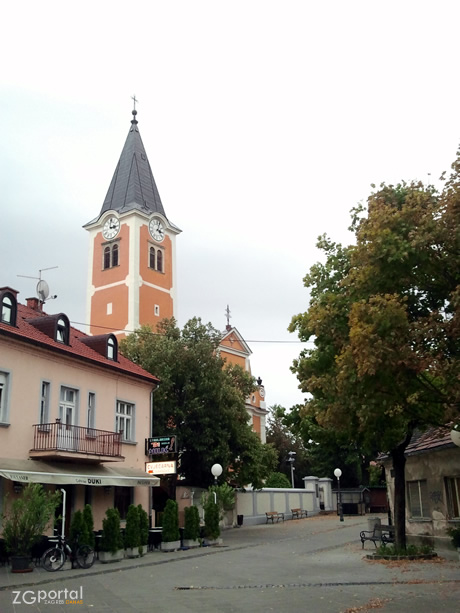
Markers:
point(131, 276)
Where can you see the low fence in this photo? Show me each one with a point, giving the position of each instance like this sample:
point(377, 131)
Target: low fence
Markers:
point(253, 505)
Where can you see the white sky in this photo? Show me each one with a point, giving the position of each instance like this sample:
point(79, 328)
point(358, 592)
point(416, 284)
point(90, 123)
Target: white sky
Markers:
point(264, 122)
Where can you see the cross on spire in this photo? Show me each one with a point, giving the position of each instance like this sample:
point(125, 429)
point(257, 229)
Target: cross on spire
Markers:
point(228, 316)
point(134, 99)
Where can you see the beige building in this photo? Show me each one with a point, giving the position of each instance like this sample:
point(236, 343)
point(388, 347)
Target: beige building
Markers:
point(432, 486)
point(74, 413)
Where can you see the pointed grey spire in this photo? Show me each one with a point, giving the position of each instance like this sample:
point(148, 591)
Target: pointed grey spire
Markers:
point(133, 185)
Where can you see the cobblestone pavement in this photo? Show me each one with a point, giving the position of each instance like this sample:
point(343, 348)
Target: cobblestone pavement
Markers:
point(314, 565)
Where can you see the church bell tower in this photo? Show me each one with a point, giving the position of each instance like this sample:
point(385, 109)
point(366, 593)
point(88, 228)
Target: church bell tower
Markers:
point(131, 276)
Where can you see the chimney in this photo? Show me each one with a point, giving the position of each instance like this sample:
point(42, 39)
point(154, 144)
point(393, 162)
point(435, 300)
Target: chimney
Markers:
point(34, 303)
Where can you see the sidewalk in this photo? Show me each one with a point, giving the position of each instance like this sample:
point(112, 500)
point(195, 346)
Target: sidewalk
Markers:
point(323, 533)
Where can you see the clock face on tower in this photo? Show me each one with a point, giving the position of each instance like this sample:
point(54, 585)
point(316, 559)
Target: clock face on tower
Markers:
point(156, 229)
point(111, 228)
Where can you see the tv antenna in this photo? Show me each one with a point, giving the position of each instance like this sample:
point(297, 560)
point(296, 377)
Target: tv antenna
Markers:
point(43, 290)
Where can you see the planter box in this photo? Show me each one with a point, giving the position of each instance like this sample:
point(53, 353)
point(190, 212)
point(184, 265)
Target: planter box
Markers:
point(170, 546)
point(132, 552)
point(455, 436)
point(191, 543)
point(106, 556)
point(20, 564)
point(212, 542)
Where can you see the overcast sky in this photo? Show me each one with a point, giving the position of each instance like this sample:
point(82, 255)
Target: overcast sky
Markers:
point(264, 122)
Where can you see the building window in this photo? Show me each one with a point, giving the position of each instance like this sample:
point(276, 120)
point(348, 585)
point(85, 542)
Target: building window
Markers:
point(112, 348)
point(160, 260)
point(62, 331)
point(156, 310)
point(8, 309)
point(124, 420)
point(4, 383)
point(68, 406)
point(45, 403)
point(453, 497)
point(156, 258)
point(90, 415)
point(417, 493)
point(111, 256)
point(123, 497)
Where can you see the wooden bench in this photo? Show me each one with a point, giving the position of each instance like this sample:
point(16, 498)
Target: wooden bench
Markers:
point(384, 534)
point(272, 515)
point(299, 513)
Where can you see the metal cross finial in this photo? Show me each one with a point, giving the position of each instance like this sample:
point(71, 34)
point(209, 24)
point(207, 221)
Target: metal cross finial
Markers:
point(134, 100)
point(227, 314)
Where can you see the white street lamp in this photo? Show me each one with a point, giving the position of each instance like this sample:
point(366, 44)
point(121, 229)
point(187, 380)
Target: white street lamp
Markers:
point(291, 460)
point(216, 470)
point(338, 474)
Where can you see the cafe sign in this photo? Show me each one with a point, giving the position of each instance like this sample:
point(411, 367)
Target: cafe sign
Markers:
point(158, 445)
point(161, 468)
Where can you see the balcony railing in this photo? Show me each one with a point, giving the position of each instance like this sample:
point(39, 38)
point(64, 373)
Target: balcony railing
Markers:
point(59, 437)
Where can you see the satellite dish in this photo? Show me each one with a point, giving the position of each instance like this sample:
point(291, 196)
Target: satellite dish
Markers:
point(43, 291)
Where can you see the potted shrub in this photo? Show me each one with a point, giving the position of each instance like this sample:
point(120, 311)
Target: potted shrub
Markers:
point(170, 528)
point(89, 521)
point(132, 532)
point(78, 530)
point(112, 540)
point(211, 521)
point(191, 527)
point(25, 521)
point(144, 529)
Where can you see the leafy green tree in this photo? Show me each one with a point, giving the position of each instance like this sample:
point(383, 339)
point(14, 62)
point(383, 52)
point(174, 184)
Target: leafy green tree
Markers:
point(384, 315)
point(277, 480)
point(201, 400)
point(79, 530)
point(284, 439)
point(89, 521)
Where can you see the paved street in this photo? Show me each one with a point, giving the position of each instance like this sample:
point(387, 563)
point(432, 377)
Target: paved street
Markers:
point(314, 565)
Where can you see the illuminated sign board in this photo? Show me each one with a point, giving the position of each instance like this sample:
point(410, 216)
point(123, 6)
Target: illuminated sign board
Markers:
point(157, 445)
point(161, 468)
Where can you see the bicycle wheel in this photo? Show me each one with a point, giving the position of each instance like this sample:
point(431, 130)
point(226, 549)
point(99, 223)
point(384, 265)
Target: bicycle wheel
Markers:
point(53, 559)
point(85, 556)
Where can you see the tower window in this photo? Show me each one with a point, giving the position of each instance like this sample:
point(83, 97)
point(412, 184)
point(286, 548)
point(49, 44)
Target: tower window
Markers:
point(111, 256)
point(156, 258)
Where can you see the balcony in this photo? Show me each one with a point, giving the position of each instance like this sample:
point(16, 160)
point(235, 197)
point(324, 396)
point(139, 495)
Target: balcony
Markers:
point(63, 442)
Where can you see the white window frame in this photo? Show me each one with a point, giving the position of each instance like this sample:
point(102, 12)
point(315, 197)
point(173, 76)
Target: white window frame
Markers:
point(125, 420)
point(91, 412)
point(5, 386)
point(452, 485)
point(417, 497)
point(44, 409)
point(65, 404)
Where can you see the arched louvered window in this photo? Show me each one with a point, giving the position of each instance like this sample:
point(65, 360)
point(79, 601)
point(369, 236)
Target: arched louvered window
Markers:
point(152, 258)
point(160, 261)
point(106, 257)
point(115, 255)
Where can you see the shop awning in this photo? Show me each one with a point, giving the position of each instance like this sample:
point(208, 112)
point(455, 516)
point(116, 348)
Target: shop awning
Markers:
point(35, 471)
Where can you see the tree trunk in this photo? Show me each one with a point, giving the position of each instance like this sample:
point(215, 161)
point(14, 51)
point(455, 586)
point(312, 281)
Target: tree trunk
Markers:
point(399, 511)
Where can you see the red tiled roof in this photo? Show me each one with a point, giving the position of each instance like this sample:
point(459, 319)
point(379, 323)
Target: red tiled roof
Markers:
point(433, 438)
point(26, 332)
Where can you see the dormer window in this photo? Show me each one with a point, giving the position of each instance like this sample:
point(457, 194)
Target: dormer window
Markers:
point(112, 348)
point(62, 331)
point(8, 309)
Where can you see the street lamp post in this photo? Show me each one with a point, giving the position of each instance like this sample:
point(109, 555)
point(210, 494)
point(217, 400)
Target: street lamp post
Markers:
point(216, 470)
point(338, 474)
point(291, 460)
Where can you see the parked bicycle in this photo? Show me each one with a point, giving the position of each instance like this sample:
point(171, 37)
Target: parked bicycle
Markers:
point(54, 558)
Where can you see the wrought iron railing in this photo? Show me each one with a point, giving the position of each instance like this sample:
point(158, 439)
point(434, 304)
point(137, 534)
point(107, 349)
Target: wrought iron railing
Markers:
point(77, 439)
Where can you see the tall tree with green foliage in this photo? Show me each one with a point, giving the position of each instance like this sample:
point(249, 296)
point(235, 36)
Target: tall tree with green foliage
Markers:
point(201, 400)
point(384, 316)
